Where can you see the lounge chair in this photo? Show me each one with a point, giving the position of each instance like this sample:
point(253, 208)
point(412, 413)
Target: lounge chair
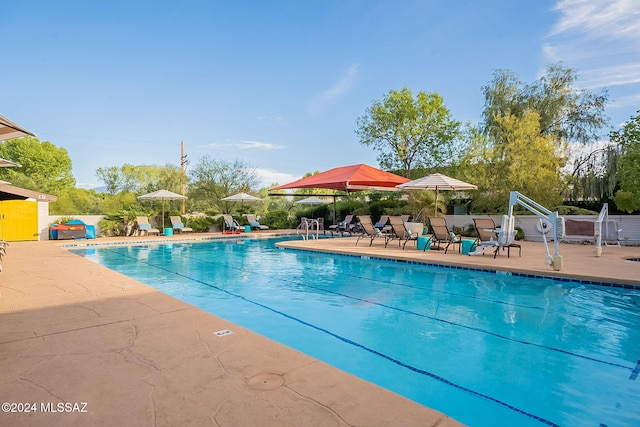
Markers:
point(368, 230)
point(344, 226)
point(145, 227)
point(178, 226)
point(403, 231)
point(491, 237)
point(383, 224)
point(397, 231)
point(255, 225)
point(442, 235)
point(230, 225)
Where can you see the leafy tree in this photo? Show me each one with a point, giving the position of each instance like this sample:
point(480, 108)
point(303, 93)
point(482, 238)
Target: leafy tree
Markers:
point(627, 198)
point(525, 160)
point(565, 113)
point(212, 180)
point(77, 201)
point(593, 176)
point(409, 132)
point(140, 178)
point(523, 141)
point(44, 166)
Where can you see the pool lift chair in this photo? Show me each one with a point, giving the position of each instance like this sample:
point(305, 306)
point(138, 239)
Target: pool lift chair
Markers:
point(543, 214)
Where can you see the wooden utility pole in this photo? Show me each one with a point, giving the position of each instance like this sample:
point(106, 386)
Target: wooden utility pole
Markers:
point(183, 163)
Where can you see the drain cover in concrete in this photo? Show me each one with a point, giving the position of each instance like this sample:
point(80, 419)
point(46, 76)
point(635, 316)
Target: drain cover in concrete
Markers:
point(265, 382)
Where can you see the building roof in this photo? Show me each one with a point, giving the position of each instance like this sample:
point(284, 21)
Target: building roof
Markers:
point(10, 192)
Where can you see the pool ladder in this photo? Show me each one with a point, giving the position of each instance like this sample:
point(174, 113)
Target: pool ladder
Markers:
point(305, 226)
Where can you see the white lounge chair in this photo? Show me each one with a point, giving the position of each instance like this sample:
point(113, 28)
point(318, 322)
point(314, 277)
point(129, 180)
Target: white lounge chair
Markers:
point(230, 225)
point(178, 226)
point(255, 225)
point(145, 227)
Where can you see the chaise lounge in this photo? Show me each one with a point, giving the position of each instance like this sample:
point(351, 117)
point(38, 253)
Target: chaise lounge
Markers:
point(178, 226)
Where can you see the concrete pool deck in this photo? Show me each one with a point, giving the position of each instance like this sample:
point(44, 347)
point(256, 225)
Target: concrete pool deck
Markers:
point(119, 352)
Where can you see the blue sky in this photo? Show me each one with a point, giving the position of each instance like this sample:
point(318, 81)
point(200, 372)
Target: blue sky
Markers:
point(280, 84)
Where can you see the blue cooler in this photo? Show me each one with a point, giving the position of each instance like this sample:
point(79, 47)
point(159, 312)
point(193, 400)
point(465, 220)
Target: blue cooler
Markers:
point(468, 246)
point(168, 231)
point(91, 231)
point(424, 243)
point(247, 229)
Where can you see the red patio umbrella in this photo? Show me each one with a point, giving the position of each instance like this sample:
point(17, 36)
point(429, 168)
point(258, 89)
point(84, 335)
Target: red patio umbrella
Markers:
point(349, 178)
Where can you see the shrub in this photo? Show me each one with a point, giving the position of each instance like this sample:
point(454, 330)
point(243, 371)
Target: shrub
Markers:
point(277, 219)
point(63, 220)
point(200, 224)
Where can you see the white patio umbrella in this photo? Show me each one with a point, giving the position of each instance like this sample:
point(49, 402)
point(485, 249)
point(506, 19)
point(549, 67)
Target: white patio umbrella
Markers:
point(313, 200)
point(162, 195)
point(241, 197)
point(437, 182)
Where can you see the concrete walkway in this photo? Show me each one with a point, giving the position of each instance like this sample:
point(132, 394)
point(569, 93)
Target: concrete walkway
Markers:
point(81, 345)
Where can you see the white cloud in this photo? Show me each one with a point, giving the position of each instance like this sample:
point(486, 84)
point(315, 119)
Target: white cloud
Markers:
point(273, 119)
point(335, 92)
point(247, 145)
point(270, 177)
point(598, 38)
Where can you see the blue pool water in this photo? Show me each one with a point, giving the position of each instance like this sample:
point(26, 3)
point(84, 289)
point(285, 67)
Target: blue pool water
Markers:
point(486, 349)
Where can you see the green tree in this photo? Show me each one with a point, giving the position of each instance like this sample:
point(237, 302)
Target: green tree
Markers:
point(76, 201)
point(546, 116)
point(43, 166)
point(139, 178)
point(409, 132)
point(212, 180)
point(627, 198)
point(525, 160)
point(565, 113)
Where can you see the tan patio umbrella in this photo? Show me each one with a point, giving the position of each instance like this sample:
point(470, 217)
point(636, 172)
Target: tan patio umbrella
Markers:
point(437, 182)
point(162, 195)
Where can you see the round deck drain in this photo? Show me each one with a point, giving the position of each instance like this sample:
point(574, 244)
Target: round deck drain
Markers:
point(265, 382)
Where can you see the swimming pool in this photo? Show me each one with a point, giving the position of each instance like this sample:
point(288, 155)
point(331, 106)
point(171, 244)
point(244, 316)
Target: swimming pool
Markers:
point(487, 349)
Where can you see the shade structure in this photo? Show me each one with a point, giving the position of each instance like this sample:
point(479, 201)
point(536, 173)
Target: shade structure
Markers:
point(10, 130)
point(437, 182)
point(162, 195)
point(349, 178)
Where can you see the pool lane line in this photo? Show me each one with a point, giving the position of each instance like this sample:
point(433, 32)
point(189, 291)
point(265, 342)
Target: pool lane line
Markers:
point(635, 372)
point(436, 319)
point(356, 344)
